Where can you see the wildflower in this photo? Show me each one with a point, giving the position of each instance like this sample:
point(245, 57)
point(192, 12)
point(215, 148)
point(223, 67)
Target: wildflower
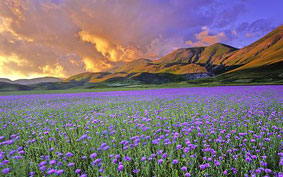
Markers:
point(51, 171)
point(178, 146)
point(187, 174)
point(120, 168)
point(69, 154)
point(160, 161)
point(52, 162)
point(184, 168)
point(6, 170)
point(135, 170)
point(77, 171)
point(42, 163)
point(93, 155)
point(101, 170)
point(43, 168)
point(143, 159)
point(71, 164)
point(175, 161)
point(59, 172)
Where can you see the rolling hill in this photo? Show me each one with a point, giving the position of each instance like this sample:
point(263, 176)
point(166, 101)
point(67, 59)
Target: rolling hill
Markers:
point(32, 81)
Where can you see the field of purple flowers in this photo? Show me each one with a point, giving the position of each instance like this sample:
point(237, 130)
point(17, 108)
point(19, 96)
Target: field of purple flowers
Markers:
point(218, 131)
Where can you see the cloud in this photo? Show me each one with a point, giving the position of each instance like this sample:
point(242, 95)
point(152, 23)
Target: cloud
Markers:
point(64, 37)
point(204, 38)
point(257, 27)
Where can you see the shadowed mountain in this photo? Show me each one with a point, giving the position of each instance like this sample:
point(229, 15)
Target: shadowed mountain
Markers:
point(32, 81)
point(4, 86)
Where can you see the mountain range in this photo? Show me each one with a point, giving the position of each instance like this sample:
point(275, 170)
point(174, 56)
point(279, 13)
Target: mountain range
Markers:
point(259, 62)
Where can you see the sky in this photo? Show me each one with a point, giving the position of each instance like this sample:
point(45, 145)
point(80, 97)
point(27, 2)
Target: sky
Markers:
point(62, 38)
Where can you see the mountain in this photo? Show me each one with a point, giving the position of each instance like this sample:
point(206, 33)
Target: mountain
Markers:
point(5, 86)
point(37, 80)
point(266, 51)
point(218, 64)
point(31, 81)
point(185, 61)
point(218, 60)
point(198, 55)
point(4, 80)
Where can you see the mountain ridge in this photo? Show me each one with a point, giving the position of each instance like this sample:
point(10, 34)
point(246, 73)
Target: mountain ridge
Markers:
point(217, 62)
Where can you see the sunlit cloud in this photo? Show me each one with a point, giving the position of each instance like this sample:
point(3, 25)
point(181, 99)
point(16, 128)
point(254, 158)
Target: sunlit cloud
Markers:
point(92, 66)
point(204, 38)
point(67, 37)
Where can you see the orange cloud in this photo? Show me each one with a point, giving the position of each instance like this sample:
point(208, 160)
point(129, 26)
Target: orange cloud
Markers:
point(204, 39)
point(14, 60)
point(109, 49)
point(67, 37)
point(53, 70)
point(93, 66)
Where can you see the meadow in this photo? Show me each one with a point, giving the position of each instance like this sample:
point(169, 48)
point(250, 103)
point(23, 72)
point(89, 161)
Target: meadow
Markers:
point(205, 131)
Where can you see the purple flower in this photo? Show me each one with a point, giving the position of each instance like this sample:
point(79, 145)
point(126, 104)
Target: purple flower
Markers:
point(143, 159)
point(174, 161)
point(42, 163)
point(93, 155)
point(187, 174)
point(71, 164)
point(101, 170)
point(160, 161)
point(225, 172)
point(78, 171)
point(69, 154)
point(51, 171)
point(120, 168)
point(248, 159)
point(59, 172)
point(184, 168)
point(202, 167)
point(6, 170)
point(135, 170)
point(52, 162)
point(43, 168)
point(217, 163)
point(186, 150)
point(83, 137)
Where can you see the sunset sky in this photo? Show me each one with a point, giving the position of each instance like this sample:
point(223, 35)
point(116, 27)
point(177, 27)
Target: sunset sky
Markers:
point(65, 37)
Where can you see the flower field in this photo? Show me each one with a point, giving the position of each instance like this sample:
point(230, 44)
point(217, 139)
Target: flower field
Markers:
point(217, 131)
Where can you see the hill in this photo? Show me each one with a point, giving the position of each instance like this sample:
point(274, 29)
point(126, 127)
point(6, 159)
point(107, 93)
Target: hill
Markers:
point(31, 81)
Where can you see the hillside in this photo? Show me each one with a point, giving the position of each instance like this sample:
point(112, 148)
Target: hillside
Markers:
point(31, 81)
point(266, 51)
